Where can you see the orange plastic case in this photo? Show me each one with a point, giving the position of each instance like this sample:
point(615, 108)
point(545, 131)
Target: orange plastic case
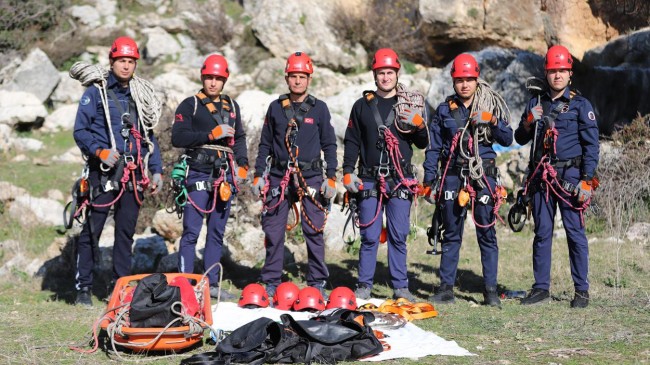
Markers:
point(173, 338)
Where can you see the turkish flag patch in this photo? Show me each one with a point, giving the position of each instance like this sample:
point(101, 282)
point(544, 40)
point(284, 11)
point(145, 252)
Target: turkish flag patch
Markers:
point(178, 117)
point(309, 120)
point(232, 115)
point(350, 123)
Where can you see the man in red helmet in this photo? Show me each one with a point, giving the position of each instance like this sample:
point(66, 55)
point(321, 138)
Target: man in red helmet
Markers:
point(110, 146)
point(289, 169)
point(208, 125)
point(380, 183)
point(463, 131)
point(562, 127)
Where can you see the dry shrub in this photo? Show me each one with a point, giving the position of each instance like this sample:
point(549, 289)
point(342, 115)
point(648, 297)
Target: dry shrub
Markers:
point(23, 22)
point(213, 29)
point(624, 194)
point(379, 24)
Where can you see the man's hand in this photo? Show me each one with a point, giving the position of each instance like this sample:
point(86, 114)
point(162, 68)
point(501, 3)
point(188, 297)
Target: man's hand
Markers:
point(107, 156)
point(258, 185)
point(534, 114)
point(156, 183)
point(483, 117)
point(583, 191)
point(328, 188)
point(411, 117)
point(221, 131)
point(241, 175)
point(352, 183)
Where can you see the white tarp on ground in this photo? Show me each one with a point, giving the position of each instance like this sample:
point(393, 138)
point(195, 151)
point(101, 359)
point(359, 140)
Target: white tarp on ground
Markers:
point(409, 341)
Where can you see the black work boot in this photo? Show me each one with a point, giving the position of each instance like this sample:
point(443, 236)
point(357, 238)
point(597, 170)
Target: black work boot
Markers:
point(581, 299)
point(445, 295)
point(536, 296)
point(490, 297)
point(84, 297)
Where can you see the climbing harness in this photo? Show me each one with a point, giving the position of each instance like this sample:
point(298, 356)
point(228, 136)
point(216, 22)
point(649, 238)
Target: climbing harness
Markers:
point(148, 107)
point(301, 190)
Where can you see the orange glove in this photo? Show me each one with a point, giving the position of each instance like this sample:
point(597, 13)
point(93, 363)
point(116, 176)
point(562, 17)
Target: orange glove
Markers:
point(221, 131)
point(534, 114)
point(583, 191)
point(241, 175)
point(412, 117)
point(483, 117)
point(258, 185)
point(328, 188)
point(352, 183)
point(107, 156)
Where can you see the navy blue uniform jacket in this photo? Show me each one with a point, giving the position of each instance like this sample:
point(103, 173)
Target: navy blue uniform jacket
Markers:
point(90, 129)
point(316, 134)
point(577, 131)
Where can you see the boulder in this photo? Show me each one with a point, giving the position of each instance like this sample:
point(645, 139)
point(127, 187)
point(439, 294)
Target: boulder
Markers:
point(20, 107)
point(36, 75)
point(22, 144)
point(159, 44)
point(639, 231)
point(86, 15)
point(168, 225)
point(30, 211)
point(253, 105)
point(9, 192)
point(72, 155)
point(287, 26)
point(148, 250)
point(68, 91)
point(62, 118)
point(176, 87)
point(6, 137)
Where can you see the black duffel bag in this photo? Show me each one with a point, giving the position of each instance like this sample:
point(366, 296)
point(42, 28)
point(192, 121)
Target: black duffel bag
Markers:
point(152, 302)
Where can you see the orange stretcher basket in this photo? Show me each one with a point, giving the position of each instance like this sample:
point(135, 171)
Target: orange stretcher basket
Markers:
point(155, 339)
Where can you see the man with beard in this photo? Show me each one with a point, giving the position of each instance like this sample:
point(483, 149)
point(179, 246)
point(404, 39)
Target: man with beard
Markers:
point(208, 125)
point(289, 169)
point(463, 130)
point(380, 139)
point(563, 160)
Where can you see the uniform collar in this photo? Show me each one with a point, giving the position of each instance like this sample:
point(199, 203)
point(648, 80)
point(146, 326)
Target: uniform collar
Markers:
point(566, 95)
point(112, 83)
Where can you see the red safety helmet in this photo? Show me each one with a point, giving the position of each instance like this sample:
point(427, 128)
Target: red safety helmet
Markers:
point(124, 47)
point(285, 295)
point(310, 299)
point(215, 65)
point(299, 62)
point(254, 295)
point(558, 57)
point(342, 297)
point(385, 57)
point(465, 65)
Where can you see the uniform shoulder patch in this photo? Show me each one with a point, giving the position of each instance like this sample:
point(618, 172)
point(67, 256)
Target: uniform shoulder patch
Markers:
point(591, 115)
point(85, 100)
point(309, 120)
point(178, 117)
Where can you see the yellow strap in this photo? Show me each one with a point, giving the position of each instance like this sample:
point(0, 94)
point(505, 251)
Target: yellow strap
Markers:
point(408, 310)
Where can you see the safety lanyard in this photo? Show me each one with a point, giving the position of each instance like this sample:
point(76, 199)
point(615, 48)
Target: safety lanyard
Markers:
point(220, 116)
point(126, 119)
point(549, 124)
point(296, 118)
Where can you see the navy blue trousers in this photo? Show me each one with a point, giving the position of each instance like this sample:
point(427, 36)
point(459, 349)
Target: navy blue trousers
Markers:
point(192, 223)
point(398, 213)
point(453, 217)
point(126, 211)
point(274, 223)
point(544, 217)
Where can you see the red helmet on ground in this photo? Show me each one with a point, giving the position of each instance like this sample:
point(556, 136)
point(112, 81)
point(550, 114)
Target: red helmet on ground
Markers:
point(254, 295)
point(215, 65)
point(465, 65)
point(299, 62)
point(558, 57)
point(285, 295)
point(309, 299)
point(124, 47)
point(385, 57)
point(342, 297)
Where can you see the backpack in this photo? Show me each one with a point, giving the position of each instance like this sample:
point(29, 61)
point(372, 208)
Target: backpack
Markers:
point(152, 302)
point(335, 335)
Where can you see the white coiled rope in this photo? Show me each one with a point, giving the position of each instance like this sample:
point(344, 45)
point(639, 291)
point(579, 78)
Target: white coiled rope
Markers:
point(147, 103)
point(485, 99)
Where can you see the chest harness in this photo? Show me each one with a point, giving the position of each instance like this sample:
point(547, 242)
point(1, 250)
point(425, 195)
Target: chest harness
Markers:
point(471, 169)
point(123, 175)
point(544, 166)
point(294, 168)
point(222, 163)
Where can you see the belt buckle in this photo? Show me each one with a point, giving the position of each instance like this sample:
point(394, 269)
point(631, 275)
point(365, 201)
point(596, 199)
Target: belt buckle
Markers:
point(449, 195)
point(201, 186)
point(484, 199)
